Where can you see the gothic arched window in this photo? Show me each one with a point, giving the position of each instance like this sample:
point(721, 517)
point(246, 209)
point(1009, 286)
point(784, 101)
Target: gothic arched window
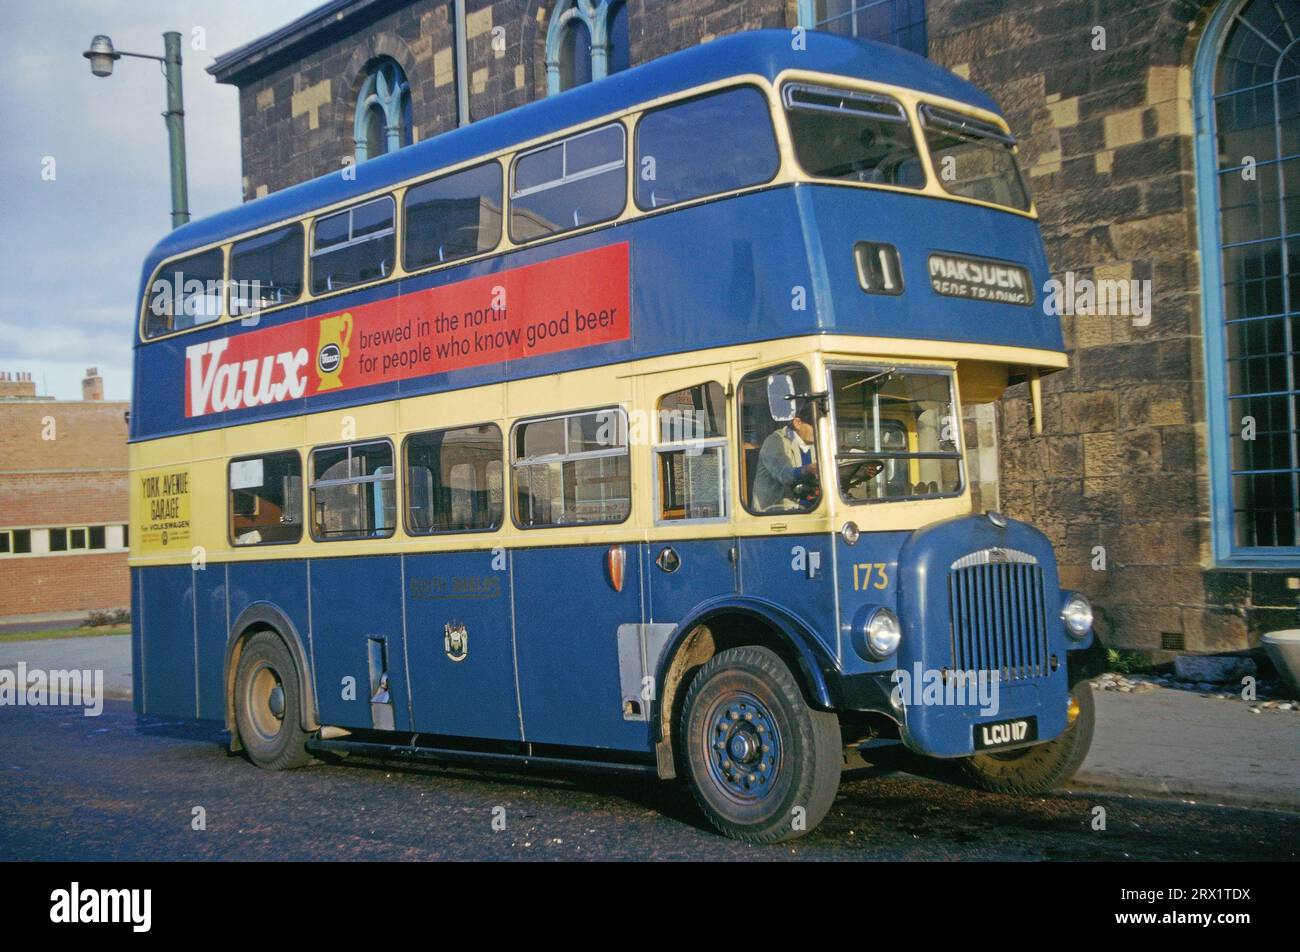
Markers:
point(383, 116)
point(1248, 171)
point(587, 39)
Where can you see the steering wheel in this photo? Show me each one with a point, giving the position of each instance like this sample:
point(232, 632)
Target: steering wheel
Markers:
point(861, 472)
point(809, 487)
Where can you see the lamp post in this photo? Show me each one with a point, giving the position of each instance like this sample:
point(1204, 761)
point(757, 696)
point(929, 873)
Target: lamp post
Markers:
point(102, 56)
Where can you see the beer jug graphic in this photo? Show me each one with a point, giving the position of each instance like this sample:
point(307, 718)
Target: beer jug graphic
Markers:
point(335, 335)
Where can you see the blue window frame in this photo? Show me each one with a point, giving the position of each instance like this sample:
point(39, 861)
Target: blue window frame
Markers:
point(1247, 82)
point(899, 22)
point(586, 40)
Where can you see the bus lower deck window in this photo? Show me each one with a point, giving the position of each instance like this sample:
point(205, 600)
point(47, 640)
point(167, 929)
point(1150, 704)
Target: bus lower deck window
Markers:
point(454, 480)
point(572, 470)
point(266, 499)
point(691, 455)
point(353, 494)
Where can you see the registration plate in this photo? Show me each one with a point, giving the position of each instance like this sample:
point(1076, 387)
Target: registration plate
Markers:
point(996, 734)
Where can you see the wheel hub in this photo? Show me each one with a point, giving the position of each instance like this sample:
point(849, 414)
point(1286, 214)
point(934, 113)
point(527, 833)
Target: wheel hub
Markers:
point(744, 747)
point(265, 701)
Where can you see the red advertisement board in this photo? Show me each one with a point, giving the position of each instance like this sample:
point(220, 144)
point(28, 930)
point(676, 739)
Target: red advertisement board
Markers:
point(580, 300)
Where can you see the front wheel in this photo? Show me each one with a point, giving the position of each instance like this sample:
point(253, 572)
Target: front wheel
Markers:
point(762, 764)
point(1037, 769)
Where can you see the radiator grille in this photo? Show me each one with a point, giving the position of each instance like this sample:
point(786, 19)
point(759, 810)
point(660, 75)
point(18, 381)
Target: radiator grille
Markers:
point(999, 618)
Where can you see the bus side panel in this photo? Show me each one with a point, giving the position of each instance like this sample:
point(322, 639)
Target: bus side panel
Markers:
point(706, 572)
point(213, 630)
point(282, 583)
point(354, 600)
point(137, 642)
point(795, 573)
point(167, 668)
point(469, 694)
point(567, 615)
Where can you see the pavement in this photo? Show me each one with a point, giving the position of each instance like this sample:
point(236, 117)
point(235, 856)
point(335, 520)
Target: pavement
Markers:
point(108, 653)
point(1158, 743)
point(1181, 744)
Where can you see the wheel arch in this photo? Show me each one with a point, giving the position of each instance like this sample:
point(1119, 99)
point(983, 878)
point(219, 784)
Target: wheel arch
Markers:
point(717, 627)
point(258, 617)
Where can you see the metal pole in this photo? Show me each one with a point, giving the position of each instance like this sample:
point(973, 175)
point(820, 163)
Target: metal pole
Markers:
point(175, 118)
point(462, 64)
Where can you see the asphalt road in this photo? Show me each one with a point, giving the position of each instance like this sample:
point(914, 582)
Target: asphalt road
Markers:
point(120, 788)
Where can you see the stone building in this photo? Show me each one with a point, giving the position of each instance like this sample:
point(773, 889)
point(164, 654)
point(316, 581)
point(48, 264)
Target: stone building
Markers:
point(1156, 135)
point(63, 500)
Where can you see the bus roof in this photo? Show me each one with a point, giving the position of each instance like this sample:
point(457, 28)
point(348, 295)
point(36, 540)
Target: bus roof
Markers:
point(765, 53)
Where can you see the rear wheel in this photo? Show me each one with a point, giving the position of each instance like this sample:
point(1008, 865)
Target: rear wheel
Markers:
point(1039, 768)
point(268, 705)
point(762, 764)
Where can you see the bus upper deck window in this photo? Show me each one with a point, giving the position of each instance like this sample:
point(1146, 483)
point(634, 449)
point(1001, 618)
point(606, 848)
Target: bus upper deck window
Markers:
point(353, 246)
point(452, 217)
point(979, 158)
point(852, 136)
point(575, 182)
point(186, 293)
point(778, 435)
point(266, 270)
point(677, 161)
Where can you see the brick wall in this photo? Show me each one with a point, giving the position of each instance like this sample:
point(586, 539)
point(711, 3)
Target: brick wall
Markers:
point(79, 477)
point(64, 583)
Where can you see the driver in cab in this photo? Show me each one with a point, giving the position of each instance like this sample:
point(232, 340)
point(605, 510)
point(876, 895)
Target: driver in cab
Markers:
point(786, 480)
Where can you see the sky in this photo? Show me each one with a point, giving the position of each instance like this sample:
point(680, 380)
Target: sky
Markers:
point(84, 187)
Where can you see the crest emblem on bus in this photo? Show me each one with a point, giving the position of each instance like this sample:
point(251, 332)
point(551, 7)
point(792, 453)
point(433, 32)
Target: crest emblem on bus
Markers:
point(615, 565)
point(455, 641)
point(332, 350)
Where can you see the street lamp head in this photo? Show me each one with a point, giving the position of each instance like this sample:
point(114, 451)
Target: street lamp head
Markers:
point(101, 55)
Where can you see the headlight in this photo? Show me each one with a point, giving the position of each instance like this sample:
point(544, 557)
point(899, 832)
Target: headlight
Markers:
point(883, 633)
point(849, 532)
point(1077, 615)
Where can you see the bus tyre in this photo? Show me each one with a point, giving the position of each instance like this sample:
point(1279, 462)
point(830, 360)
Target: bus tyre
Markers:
point(762, 764)
point(268, 705)
point(1037, 769)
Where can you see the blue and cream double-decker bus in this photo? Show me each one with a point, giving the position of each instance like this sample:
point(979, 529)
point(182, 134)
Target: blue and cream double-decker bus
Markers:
point(621, 431)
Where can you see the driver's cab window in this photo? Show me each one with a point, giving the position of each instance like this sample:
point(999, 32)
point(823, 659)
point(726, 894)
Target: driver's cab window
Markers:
point(778, 433)
point(897, 434)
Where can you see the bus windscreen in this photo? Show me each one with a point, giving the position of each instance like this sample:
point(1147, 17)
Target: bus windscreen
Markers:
point(974, 159)
point(852, 136)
